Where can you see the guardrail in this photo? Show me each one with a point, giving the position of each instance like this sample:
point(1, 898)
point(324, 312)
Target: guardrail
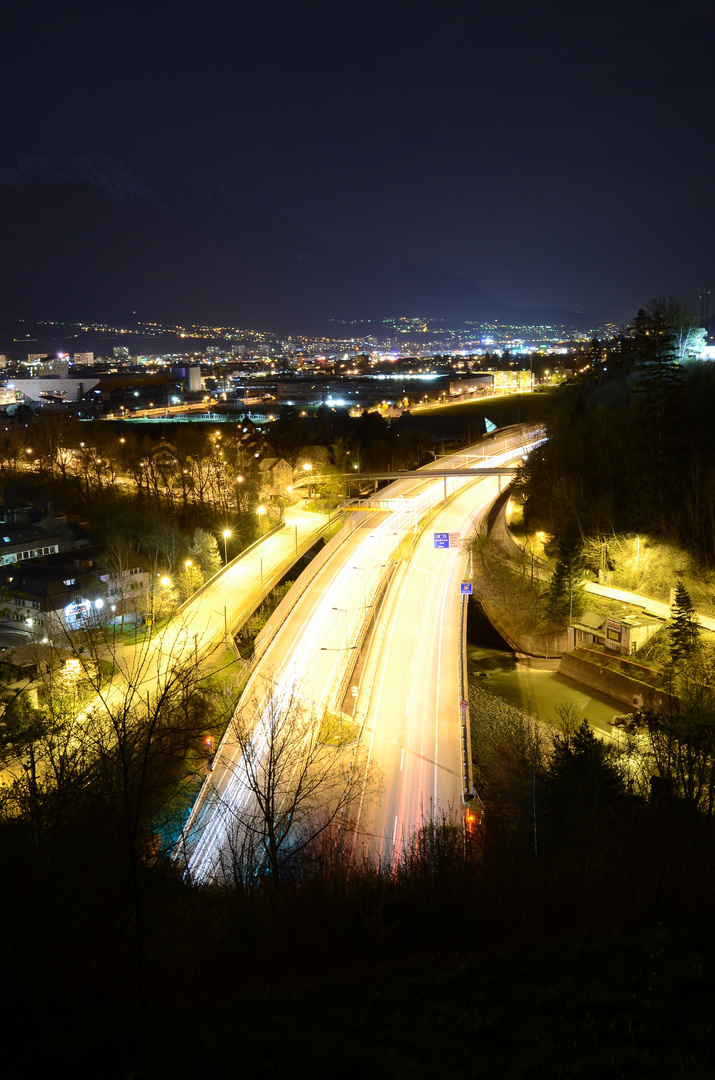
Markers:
point(468, 792)
point(212, 580)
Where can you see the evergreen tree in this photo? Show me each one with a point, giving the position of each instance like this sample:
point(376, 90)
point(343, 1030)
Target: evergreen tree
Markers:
point(566, 599)
point(684, 629)
point(582, 781)
point(659, 397)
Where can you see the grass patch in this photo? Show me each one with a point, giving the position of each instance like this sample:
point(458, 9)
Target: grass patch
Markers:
point(336, 730)
point(501, 409)
point(334, 528)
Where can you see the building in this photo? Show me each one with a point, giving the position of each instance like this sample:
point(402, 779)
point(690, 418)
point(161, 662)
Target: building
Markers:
point(69, 592)
point(625, 634)
point(56, 388)
point(21, 542)
point(276, 476)
point(479, 384)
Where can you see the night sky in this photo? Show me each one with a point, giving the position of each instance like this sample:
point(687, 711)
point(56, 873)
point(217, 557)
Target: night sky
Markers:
point(554, 153)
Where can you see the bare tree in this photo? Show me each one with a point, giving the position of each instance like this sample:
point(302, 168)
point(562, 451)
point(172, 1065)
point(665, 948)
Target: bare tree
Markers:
point(287, 778)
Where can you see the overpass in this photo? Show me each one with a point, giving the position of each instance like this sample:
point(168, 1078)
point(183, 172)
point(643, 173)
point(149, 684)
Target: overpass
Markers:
point(406, 474)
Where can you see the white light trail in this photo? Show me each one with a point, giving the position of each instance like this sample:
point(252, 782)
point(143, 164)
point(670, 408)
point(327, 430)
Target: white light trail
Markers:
point(314, 664)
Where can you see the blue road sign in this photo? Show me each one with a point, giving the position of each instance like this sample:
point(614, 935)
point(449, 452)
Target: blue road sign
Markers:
point(465, 588)
point(441, 540)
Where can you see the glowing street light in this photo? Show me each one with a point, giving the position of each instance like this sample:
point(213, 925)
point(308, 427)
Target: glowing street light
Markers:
point(226, 534)
point(261, 511)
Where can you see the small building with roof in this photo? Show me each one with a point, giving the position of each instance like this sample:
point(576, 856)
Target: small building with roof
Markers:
point(623, 634)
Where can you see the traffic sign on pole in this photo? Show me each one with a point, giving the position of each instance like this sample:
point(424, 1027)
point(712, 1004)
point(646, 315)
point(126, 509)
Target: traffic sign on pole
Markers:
point(464, 704)
point(465, 588)
point(441, 540)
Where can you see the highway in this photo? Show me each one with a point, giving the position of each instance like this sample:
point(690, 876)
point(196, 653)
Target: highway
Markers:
point(308, 656)
point(410, 705)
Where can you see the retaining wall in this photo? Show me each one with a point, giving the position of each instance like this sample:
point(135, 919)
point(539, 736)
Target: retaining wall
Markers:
point(631, 691)
point(544, 646)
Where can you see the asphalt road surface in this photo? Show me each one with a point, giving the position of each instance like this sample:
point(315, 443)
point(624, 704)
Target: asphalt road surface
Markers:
point(308, 657)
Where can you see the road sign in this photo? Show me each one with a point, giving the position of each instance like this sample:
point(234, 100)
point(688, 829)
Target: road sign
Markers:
point(454, 539)
point(441, 540)
point(464, 704)
point(465, 588)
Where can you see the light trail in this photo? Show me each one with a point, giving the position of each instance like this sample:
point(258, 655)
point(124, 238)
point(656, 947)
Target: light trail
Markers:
point(310, 660)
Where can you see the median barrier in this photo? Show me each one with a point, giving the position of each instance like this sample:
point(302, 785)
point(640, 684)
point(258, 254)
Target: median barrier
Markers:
point(363, 632)
point(279, 616)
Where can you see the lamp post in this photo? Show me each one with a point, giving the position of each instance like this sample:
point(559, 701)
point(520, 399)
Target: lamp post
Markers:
point(226, 534)
point(364, 590)
point(345, 613)
point(261, 511)
point(307, 467)
point(165, 582)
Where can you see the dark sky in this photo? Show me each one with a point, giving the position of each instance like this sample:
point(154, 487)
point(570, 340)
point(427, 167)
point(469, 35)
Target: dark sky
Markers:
point(554, 152)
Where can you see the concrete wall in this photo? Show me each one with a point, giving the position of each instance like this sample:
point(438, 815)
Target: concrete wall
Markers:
point(631, 691)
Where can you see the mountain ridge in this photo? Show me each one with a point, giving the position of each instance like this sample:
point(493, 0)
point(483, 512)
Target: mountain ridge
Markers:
point(92, 240)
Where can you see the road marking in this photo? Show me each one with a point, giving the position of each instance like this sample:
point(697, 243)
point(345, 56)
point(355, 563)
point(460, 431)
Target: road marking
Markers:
point(421, 603)
point(394, 831)
point(412, 664)
point(416, 630)
point(407, 706)
point(402, 758)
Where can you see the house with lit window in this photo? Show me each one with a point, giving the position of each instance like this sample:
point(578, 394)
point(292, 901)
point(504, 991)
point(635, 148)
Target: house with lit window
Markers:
point(21, 542)
point(69, 591)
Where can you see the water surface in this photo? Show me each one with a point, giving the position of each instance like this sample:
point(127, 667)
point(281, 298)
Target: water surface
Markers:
point(493, 666)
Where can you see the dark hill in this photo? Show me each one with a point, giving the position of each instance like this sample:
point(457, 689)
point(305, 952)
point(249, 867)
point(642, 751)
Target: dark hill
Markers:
point(93, 241)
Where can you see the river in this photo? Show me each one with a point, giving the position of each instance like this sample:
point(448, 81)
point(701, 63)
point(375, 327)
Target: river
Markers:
point(493, 666)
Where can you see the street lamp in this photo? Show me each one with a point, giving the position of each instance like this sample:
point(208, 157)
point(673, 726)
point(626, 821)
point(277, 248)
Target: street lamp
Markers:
point(261, 511)
point(345, 613)
point(226, 534)
point(307, 467)
point(364, 590)
point(165, 582)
